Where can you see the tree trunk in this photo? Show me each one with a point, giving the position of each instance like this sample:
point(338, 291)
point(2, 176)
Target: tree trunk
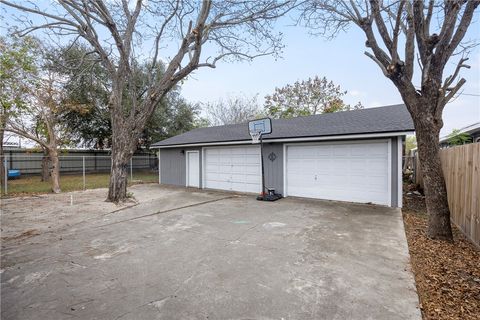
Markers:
point(427, 133)
point(117, 189)
point(45, 167)
point(124, 142)
point(2, 164)
point(55, 173)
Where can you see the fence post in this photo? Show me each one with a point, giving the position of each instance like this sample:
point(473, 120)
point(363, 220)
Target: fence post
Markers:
point(11, 160)
point(5, 189)
point(83, 166)
point(131, 169)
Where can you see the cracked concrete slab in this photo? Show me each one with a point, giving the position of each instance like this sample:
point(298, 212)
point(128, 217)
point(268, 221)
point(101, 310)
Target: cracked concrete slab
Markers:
point(182, 254)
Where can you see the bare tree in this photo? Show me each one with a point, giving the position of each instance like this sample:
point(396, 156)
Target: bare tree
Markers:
point(396, 32)
point(39, 122)
point(123, 33)
point(234, 109)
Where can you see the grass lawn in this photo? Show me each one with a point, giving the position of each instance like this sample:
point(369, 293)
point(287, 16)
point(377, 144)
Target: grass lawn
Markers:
point(69, 182)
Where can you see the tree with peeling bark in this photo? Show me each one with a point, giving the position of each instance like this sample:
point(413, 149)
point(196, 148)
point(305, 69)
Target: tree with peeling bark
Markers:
point(40, 121)
point(126, 34)
point(397, 31)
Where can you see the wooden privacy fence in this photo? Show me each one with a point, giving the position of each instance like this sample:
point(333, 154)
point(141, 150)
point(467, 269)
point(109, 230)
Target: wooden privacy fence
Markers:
point(461, 168)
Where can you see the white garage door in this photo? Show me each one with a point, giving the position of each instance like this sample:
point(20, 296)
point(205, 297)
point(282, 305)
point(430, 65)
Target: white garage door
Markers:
point(357, 172)
point(233, 168)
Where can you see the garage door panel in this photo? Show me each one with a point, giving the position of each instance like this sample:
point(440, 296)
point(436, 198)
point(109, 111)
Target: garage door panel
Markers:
point(251, 179)
point(237, 169)
point(211, 168)
point(296, 166)
point(223, 168)
point(252, 150)
point(376, 181)
point(211, 151)
point(340, 166)
point(378, 150)
point(224, 160)
point(324, 152)
point(297, 179)
point(236, 160)
point(223, 185)
point(252, 159)
point(356, 172)
point(302, 153)
point(253, 170)
point(358, 166)
point(378, 164)
point(358, 151)
point(341, 151)
point(240, 178)
point(233, 168)
point(323, 165)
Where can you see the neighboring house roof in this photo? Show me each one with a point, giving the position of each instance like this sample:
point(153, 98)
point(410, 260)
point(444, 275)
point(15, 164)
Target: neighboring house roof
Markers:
point(470, 129)
point(394, 118)
point(11, 144)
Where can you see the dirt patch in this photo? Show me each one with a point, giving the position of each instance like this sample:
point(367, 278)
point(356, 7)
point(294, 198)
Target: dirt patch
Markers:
point(447, 274)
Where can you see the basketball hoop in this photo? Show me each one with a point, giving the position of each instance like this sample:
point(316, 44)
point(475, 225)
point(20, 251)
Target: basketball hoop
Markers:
point(259, 127)
point(255, 136)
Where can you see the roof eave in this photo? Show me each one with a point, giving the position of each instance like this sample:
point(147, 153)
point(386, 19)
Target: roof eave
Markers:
point(293, 139)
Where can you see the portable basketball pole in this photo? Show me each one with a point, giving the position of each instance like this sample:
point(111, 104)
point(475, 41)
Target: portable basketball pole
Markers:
point(261, 160)
point(270, 194)
point(265, 196)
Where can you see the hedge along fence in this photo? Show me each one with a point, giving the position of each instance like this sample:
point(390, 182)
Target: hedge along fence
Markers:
point(461, 168)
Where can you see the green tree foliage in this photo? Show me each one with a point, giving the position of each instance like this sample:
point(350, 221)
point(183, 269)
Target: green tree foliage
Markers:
point(38, 117)
point(86, 95)
point(88, 90)
point(410, 143)
point(173, 116)
point(456, 138)
point(307, 97)
point(17, 76)
point(17, 71)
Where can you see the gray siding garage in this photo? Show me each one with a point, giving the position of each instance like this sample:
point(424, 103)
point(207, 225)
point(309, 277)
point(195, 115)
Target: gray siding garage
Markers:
point(356, 165)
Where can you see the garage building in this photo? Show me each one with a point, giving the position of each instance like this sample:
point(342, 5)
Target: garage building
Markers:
point(351, 156)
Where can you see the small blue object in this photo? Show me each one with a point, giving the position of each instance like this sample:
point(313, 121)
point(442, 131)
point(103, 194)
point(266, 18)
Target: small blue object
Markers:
point(14, 173)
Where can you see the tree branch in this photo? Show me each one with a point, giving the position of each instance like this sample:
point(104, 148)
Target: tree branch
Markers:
point(382, 67)
point(449, 80)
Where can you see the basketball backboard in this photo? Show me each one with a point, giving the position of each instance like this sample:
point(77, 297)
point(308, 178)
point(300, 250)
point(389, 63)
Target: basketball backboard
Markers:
point(262, 126)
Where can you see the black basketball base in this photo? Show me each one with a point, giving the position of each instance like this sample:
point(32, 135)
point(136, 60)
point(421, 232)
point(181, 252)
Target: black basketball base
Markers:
point(269, 197)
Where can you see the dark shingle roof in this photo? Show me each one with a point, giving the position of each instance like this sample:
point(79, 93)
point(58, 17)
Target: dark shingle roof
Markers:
point(393, 118)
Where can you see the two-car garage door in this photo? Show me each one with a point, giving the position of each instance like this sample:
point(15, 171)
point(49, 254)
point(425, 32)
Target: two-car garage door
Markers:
point(357, 172)
point(233, 168)
point(344, 171)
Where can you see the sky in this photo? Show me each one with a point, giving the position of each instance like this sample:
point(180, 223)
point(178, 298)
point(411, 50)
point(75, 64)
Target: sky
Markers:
point(341, 60)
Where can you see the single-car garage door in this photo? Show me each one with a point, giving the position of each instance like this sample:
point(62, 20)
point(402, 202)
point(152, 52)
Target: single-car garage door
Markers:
point(233, 168)
point(357, 172)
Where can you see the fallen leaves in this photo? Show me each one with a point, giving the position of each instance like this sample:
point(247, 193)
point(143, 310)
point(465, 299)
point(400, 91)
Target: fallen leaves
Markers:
point(447, 274)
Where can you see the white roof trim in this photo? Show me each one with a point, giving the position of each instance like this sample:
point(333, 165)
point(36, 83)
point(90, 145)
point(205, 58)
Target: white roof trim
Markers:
point(300, 139)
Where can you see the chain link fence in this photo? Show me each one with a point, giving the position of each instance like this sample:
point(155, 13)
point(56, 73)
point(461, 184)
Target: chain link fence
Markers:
point(30, 173)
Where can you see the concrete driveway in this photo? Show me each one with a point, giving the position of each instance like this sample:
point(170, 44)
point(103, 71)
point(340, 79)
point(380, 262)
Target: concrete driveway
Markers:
point(181, 254)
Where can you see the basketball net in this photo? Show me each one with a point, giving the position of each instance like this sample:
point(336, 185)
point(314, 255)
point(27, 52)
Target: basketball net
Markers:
point(255, 136)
